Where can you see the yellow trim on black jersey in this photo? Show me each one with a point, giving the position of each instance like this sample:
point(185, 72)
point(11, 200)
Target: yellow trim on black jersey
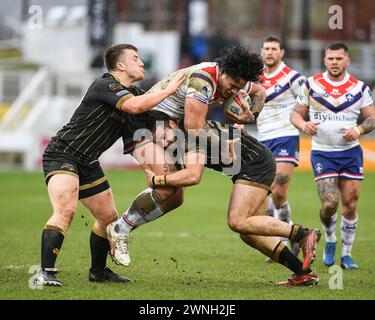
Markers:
point(93, 184)
point(253, 184)
point(122, 100)
point(51, 173)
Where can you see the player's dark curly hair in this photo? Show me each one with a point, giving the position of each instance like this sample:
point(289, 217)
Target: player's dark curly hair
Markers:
point(239, 63)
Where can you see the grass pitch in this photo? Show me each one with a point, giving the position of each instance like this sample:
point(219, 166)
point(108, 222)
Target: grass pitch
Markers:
point(187, 254)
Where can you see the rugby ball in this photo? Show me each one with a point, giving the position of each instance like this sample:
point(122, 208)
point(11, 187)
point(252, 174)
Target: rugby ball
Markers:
point(237, 103)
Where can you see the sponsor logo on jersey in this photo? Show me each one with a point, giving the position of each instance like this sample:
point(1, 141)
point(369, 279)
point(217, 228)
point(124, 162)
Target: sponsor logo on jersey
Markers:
point(335, 92)
point(319, 95)
point(319, 167)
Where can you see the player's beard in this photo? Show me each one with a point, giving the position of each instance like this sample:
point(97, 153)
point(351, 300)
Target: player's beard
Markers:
point(273, 63)
point(336, 74)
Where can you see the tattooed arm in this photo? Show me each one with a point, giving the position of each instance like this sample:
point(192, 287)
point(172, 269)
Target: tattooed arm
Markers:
point(366, 126)
point(296, 118)
point(258, 96)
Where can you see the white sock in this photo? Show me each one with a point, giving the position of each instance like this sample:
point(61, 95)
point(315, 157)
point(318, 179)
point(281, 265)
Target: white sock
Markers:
point(144, 208)
point(283, 213)
point(348, 228)
point(270, 207)
point(329, 229)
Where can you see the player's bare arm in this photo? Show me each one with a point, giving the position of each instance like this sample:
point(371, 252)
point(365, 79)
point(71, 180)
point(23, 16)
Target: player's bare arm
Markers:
point(139, 104)
point(366, 126)
point(369, 123)
point(195, 114)
point(258, 96)
point(189, 176)
point(296, 117)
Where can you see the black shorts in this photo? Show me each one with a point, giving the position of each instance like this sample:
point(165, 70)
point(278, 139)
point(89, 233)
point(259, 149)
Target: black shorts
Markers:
point(260, 171)
point(91, 176)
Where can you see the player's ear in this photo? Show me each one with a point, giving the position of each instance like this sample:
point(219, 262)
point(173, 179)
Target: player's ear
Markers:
point(172, 124)
point(120, 66)
point(282, 52)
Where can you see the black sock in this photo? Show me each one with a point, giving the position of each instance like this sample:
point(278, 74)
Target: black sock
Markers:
point(52, 240)
point(99, 248)
point(297, 233)
point(284, 256)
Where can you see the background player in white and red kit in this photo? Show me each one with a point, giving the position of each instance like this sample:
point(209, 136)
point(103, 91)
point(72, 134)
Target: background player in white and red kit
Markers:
point(275, 130)
point(335, 99)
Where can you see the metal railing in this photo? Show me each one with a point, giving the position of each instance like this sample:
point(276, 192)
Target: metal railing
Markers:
point(38, 85)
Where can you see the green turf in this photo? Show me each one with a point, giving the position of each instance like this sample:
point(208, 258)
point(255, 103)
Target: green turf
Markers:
point(188, 254)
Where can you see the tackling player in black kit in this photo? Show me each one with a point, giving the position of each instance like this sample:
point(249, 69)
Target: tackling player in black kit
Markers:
point(70, 161)
point(252, 168)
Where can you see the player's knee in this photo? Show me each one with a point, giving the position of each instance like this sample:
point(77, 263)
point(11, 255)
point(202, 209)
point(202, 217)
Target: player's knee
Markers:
point(349, 209)
point(281, 179)
point(106, 217)
point(248, 239)
point(329, 207)
point(235, 224)
point(111, 217)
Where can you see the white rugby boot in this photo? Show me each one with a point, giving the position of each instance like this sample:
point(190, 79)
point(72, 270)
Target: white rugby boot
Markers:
point(119, 245)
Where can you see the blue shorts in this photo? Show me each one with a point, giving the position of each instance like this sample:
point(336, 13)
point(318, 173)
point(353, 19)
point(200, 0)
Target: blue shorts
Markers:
point(346, 164)
point(284, 149)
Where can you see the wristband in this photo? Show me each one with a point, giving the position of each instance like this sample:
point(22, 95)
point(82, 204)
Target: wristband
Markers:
point(153, 181)
point(159, 181)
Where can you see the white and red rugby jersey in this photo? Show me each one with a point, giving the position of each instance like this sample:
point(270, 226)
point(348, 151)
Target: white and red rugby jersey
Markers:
point(282, 87)
point(336, 106)
point(201, 84)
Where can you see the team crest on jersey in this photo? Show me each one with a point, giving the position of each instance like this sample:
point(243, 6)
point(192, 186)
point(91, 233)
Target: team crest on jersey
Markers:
point(319, 167)
point(278, 88)
point(349, 97)
point(115, 86)
point(205, 89)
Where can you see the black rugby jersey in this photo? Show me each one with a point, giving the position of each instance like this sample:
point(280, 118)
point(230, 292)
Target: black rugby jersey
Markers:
point(98, 121)
point(217, 134)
